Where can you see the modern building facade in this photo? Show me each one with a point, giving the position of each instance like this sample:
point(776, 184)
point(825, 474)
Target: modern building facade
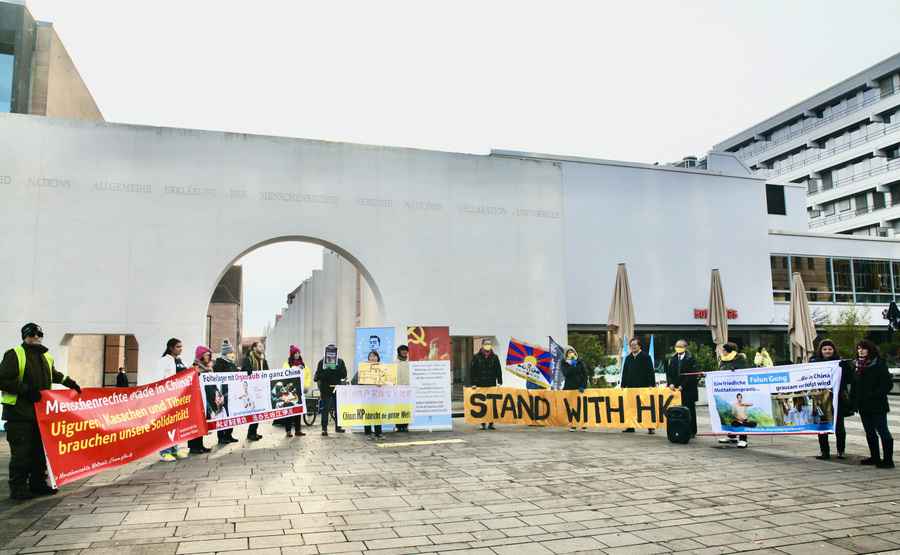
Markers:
point(843, 146)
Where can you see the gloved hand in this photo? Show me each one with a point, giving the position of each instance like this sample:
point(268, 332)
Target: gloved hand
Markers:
point(580, 390)
point(70, 383)
point(33, 395)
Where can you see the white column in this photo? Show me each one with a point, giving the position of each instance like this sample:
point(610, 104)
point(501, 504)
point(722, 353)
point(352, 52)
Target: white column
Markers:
point(318, 311)
point(346, 308)
point(329, 297)
point(308, 310)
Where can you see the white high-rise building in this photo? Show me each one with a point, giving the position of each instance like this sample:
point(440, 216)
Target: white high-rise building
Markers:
point(843, 144)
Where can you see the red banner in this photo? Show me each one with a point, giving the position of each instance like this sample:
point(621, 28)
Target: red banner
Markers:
point(428, 342)
point(108, 427)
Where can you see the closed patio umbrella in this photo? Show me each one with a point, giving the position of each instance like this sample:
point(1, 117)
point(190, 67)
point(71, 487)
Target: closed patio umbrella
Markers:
point(801, 328)
point(621, 310)
point(717, 314)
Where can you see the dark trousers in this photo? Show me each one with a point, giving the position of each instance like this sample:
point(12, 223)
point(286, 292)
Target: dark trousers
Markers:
point(368, 429)
point(402, 427)
point(196, 443)
point(840, 434)
point(325, 405)
point(27, 465)
point(744, 423)
point(293, 422)
point(223, 435)
point(875, 425)
point(692, 406)
point(251, 430)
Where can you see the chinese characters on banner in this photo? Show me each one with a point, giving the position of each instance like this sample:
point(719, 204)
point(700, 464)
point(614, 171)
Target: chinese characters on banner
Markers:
point(235, 398)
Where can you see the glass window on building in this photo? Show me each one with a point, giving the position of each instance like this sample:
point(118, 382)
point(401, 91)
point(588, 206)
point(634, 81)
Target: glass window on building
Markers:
point(781, 278)
point(816, 275)
point(872, 279)
point(6, 78)
point(843, 280)
point(775, 200)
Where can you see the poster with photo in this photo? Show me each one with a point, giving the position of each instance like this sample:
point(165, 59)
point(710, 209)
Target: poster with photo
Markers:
point(236, 398)
point(800, 398)
point(430, 377)
point(379, 340)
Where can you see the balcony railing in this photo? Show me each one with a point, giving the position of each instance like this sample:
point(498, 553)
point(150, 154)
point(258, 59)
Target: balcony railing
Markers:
point(850, 214)
point(877, 170)
point(820, 154)
point(814, 124)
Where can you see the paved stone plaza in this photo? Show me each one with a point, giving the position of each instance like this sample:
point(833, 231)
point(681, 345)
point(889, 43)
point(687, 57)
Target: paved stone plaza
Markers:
point(517, 490)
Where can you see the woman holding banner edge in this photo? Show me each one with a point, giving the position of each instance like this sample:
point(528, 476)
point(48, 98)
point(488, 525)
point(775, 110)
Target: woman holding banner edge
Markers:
point(828, 351)
point(576, 376)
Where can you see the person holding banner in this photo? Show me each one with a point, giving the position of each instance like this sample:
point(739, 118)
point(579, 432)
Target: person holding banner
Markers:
point(225, 363)
point(869, 391)
point(403, 376)
point(170, 364)
point(486, 371)
point(828, 351)
point(637, 372)
point(295, 360)
point(254, 362)
point(576, 376)
point(25, 371)
point(330, 372)
point(374, 358)
point(682, 375)
point(732, 359)
point(203, 363)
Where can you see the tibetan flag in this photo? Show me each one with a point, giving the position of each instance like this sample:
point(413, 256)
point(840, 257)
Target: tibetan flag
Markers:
point(532, 364)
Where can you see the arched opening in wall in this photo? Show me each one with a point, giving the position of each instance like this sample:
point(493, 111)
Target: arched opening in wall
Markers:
point(94, 360)
point(291, 291)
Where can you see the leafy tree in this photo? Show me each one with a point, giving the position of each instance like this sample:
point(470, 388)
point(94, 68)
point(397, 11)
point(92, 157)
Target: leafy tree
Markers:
point(590, 350)
point(851, 327)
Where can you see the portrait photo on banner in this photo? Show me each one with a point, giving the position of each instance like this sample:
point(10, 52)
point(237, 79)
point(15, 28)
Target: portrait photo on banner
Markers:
point(379, 340)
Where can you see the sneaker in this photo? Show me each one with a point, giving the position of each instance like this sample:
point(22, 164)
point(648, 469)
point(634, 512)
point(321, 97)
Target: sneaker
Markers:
point(572, 429)
point(182, 453)
point(254, 437)
point(742, 444)
point(168, 457)
point(628, 431)
point(324, 433)
point(483, 427)
point(491, 426)
point(885, 464)
point(651, 431)
point(583, 429)
point(288, 434)
point(869, 462)
point(823, 457)
point(300, 434)
point(726, 440)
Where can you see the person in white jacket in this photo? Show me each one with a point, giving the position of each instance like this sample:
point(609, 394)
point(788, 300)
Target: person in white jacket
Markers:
point(169, 365)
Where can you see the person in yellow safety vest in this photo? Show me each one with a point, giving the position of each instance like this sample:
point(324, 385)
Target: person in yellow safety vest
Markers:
point(25, 371)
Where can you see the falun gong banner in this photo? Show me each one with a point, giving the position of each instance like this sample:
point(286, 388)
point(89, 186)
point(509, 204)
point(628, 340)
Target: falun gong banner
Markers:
point(638, 407)
point(800, 398)
point(365, 405)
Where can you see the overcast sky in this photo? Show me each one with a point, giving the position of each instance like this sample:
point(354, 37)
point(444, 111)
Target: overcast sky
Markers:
point(628, 80)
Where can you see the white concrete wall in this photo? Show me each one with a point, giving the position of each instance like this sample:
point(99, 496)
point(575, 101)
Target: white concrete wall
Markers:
point(671, 227)
point(436, 232)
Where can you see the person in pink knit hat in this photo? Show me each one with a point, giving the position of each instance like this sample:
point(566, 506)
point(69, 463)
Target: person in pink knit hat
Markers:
point(203, 363)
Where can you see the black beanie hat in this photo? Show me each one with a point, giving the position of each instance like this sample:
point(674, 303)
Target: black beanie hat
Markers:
point(31, 329)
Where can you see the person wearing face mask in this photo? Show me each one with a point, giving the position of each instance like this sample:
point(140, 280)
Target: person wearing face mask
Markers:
point(485, 371)
point(871, 384)
point(828, 351)
point(26, 371)
point(732, 359)
point(403, 376)
point(681, 375)
point(225, 363)
point(638, 371)
point(576, 376)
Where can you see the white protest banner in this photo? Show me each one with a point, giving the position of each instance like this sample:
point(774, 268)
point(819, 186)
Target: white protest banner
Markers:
point(430, 381)
point(801, 398)
point(365, 405)
point(236, 398)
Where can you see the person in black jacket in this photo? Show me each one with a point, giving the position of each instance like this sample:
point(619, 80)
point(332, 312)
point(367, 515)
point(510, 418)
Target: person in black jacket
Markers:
point(485, 370)
point(681, 374)
point(330, 372)
point(121, 377)
point(732, 359)
point(25, 371)
point(576, 375)
point(638, 371)
point(255, 361)
point(872, 382)
point(225, 363)
point(828, 351)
